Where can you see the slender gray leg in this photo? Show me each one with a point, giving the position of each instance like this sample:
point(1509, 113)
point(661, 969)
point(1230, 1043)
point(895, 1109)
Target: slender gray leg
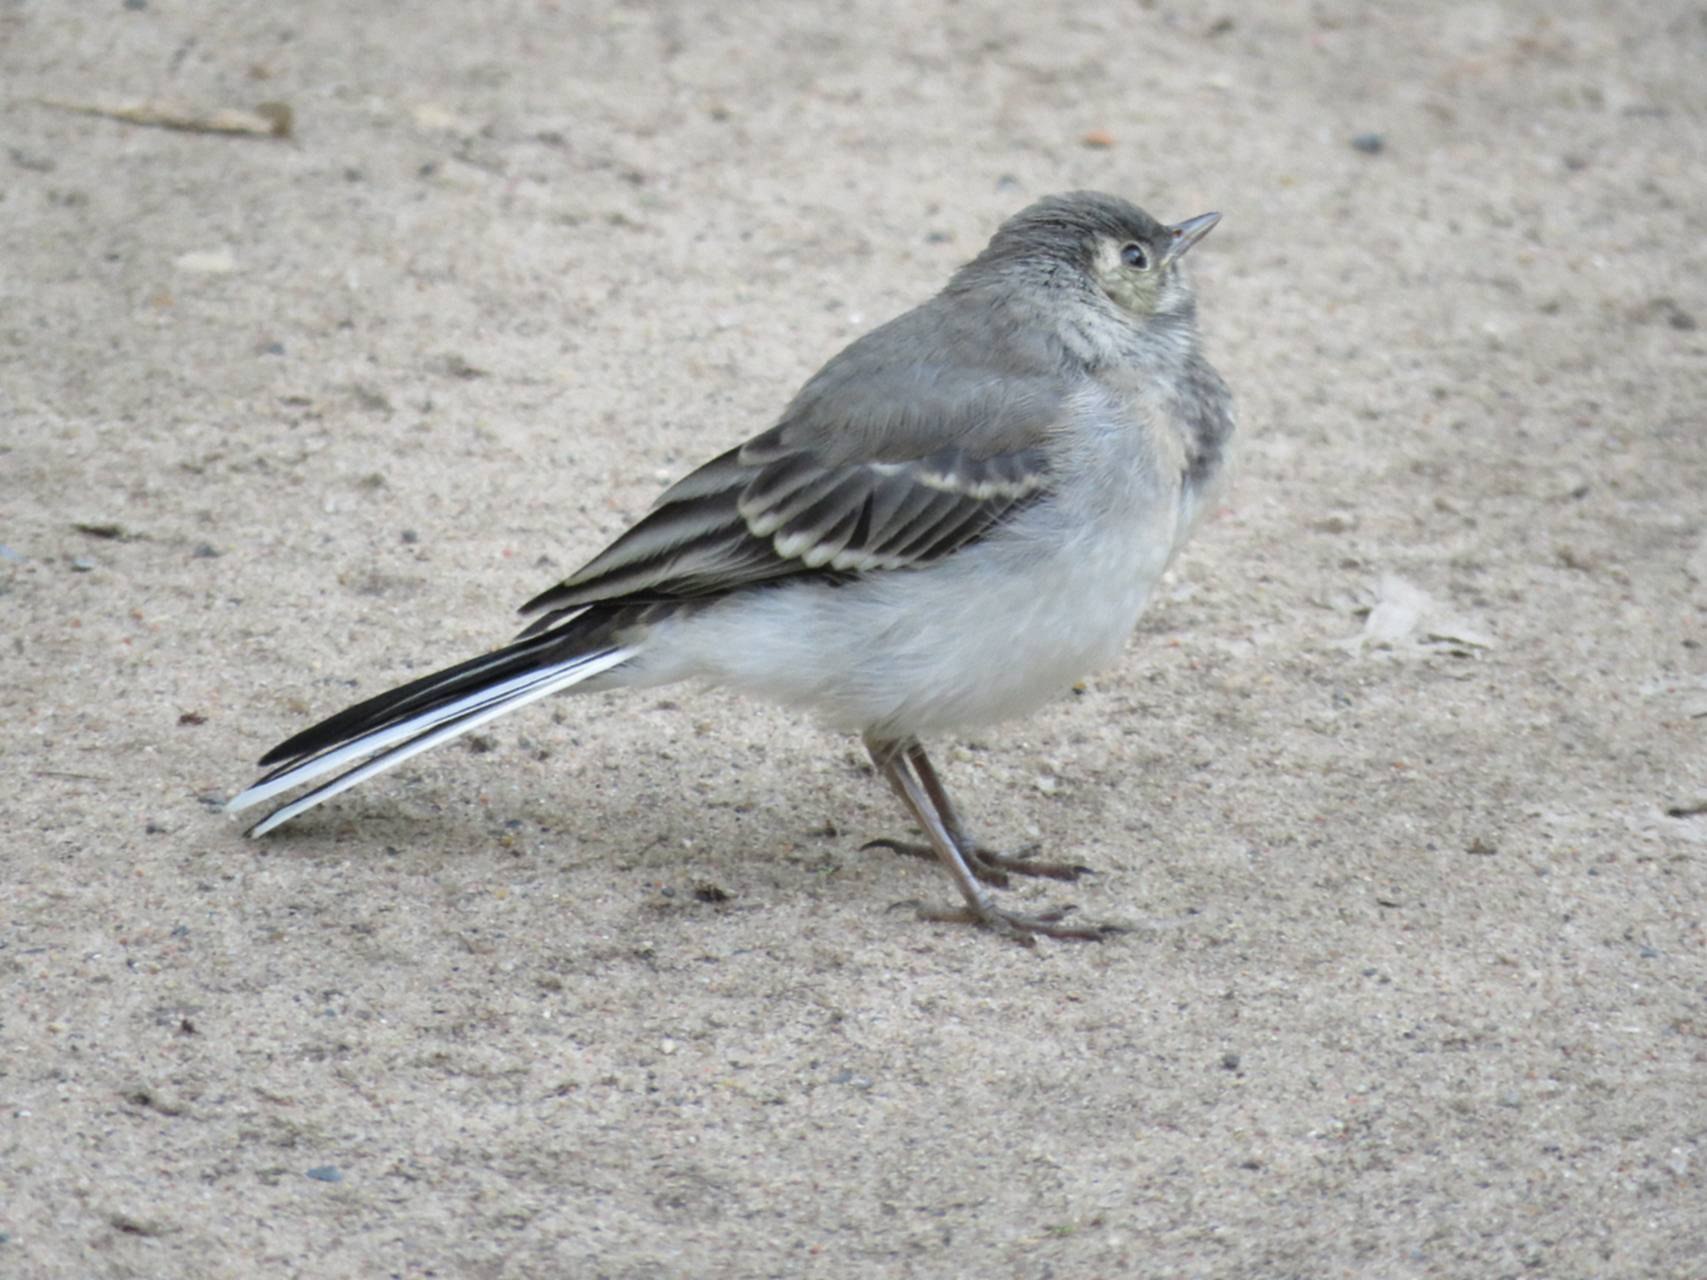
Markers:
point(1020, 864)
point(986, 864)
point(893, 762)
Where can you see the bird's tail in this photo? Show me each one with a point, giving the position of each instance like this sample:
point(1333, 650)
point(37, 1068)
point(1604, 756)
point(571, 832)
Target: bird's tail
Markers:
point(393, 726)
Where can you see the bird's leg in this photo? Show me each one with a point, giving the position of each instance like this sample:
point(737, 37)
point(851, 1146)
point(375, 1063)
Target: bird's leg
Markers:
point(967, 847)
point(894, 761)
point(986, 864)
point(1021, 864)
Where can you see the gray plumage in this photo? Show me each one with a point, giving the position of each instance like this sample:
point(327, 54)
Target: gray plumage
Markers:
point(958, 516)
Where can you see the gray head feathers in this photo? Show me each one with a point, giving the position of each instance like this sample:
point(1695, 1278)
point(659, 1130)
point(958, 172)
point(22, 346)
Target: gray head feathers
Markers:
point(1066, 230)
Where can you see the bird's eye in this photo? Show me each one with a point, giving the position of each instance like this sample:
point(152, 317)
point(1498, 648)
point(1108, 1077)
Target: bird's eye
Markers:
point(1133, 255)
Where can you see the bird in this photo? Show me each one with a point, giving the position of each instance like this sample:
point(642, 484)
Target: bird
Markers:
point(957, 518)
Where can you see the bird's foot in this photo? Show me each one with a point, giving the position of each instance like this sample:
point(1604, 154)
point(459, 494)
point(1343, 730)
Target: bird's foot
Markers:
point(1023, 929)
point(990, 867)
point(1027, 863)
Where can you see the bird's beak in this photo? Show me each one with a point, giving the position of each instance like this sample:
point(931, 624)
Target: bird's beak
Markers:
point(1182, 235)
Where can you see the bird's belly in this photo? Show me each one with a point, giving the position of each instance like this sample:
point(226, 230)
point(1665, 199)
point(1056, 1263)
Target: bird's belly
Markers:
point(992, 633)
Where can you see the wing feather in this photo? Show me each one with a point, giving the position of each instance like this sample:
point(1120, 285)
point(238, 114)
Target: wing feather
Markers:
point(792, 515)
point(899, 452)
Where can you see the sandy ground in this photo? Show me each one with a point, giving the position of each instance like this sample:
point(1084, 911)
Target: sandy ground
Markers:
point(1402, 787)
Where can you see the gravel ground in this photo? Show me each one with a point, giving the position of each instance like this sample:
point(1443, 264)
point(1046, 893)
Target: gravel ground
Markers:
point(1401, 786)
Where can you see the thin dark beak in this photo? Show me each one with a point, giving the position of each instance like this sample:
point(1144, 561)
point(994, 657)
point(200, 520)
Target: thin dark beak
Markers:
point(1185, 234)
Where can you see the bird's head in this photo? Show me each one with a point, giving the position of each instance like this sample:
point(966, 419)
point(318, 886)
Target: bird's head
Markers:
point(1086, 238)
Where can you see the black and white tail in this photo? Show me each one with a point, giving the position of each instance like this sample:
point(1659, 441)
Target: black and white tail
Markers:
point(403, 722)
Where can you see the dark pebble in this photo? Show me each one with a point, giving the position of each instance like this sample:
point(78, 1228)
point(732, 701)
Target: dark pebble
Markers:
point(33, 163)
point(1371, 144)
point(326, 1173)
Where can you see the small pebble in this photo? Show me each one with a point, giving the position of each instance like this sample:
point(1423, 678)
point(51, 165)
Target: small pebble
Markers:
point(1371, 144)
point(33, 163)
point(82, 564)
point(326, 1173)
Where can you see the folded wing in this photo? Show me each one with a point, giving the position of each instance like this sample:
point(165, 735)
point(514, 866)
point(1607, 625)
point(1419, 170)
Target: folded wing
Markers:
point(895, 455)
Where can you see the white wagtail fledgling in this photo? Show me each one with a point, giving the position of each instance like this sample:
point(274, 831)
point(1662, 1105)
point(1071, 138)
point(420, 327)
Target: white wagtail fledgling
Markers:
point(955, 519)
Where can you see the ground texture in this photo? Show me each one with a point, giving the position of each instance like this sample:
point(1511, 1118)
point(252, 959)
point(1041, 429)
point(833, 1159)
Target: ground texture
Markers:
point(1401, 787)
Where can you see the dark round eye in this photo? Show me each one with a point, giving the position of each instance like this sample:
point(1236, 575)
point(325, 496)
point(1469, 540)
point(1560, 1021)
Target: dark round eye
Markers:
point(1133, 255)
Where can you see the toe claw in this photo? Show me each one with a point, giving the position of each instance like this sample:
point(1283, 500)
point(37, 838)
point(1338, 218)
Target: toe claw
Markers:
point(1026, 863)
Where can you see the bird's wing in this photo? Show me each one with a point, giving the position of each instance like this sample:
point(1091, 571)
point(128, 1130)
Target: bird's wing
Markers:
point(891, 458)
